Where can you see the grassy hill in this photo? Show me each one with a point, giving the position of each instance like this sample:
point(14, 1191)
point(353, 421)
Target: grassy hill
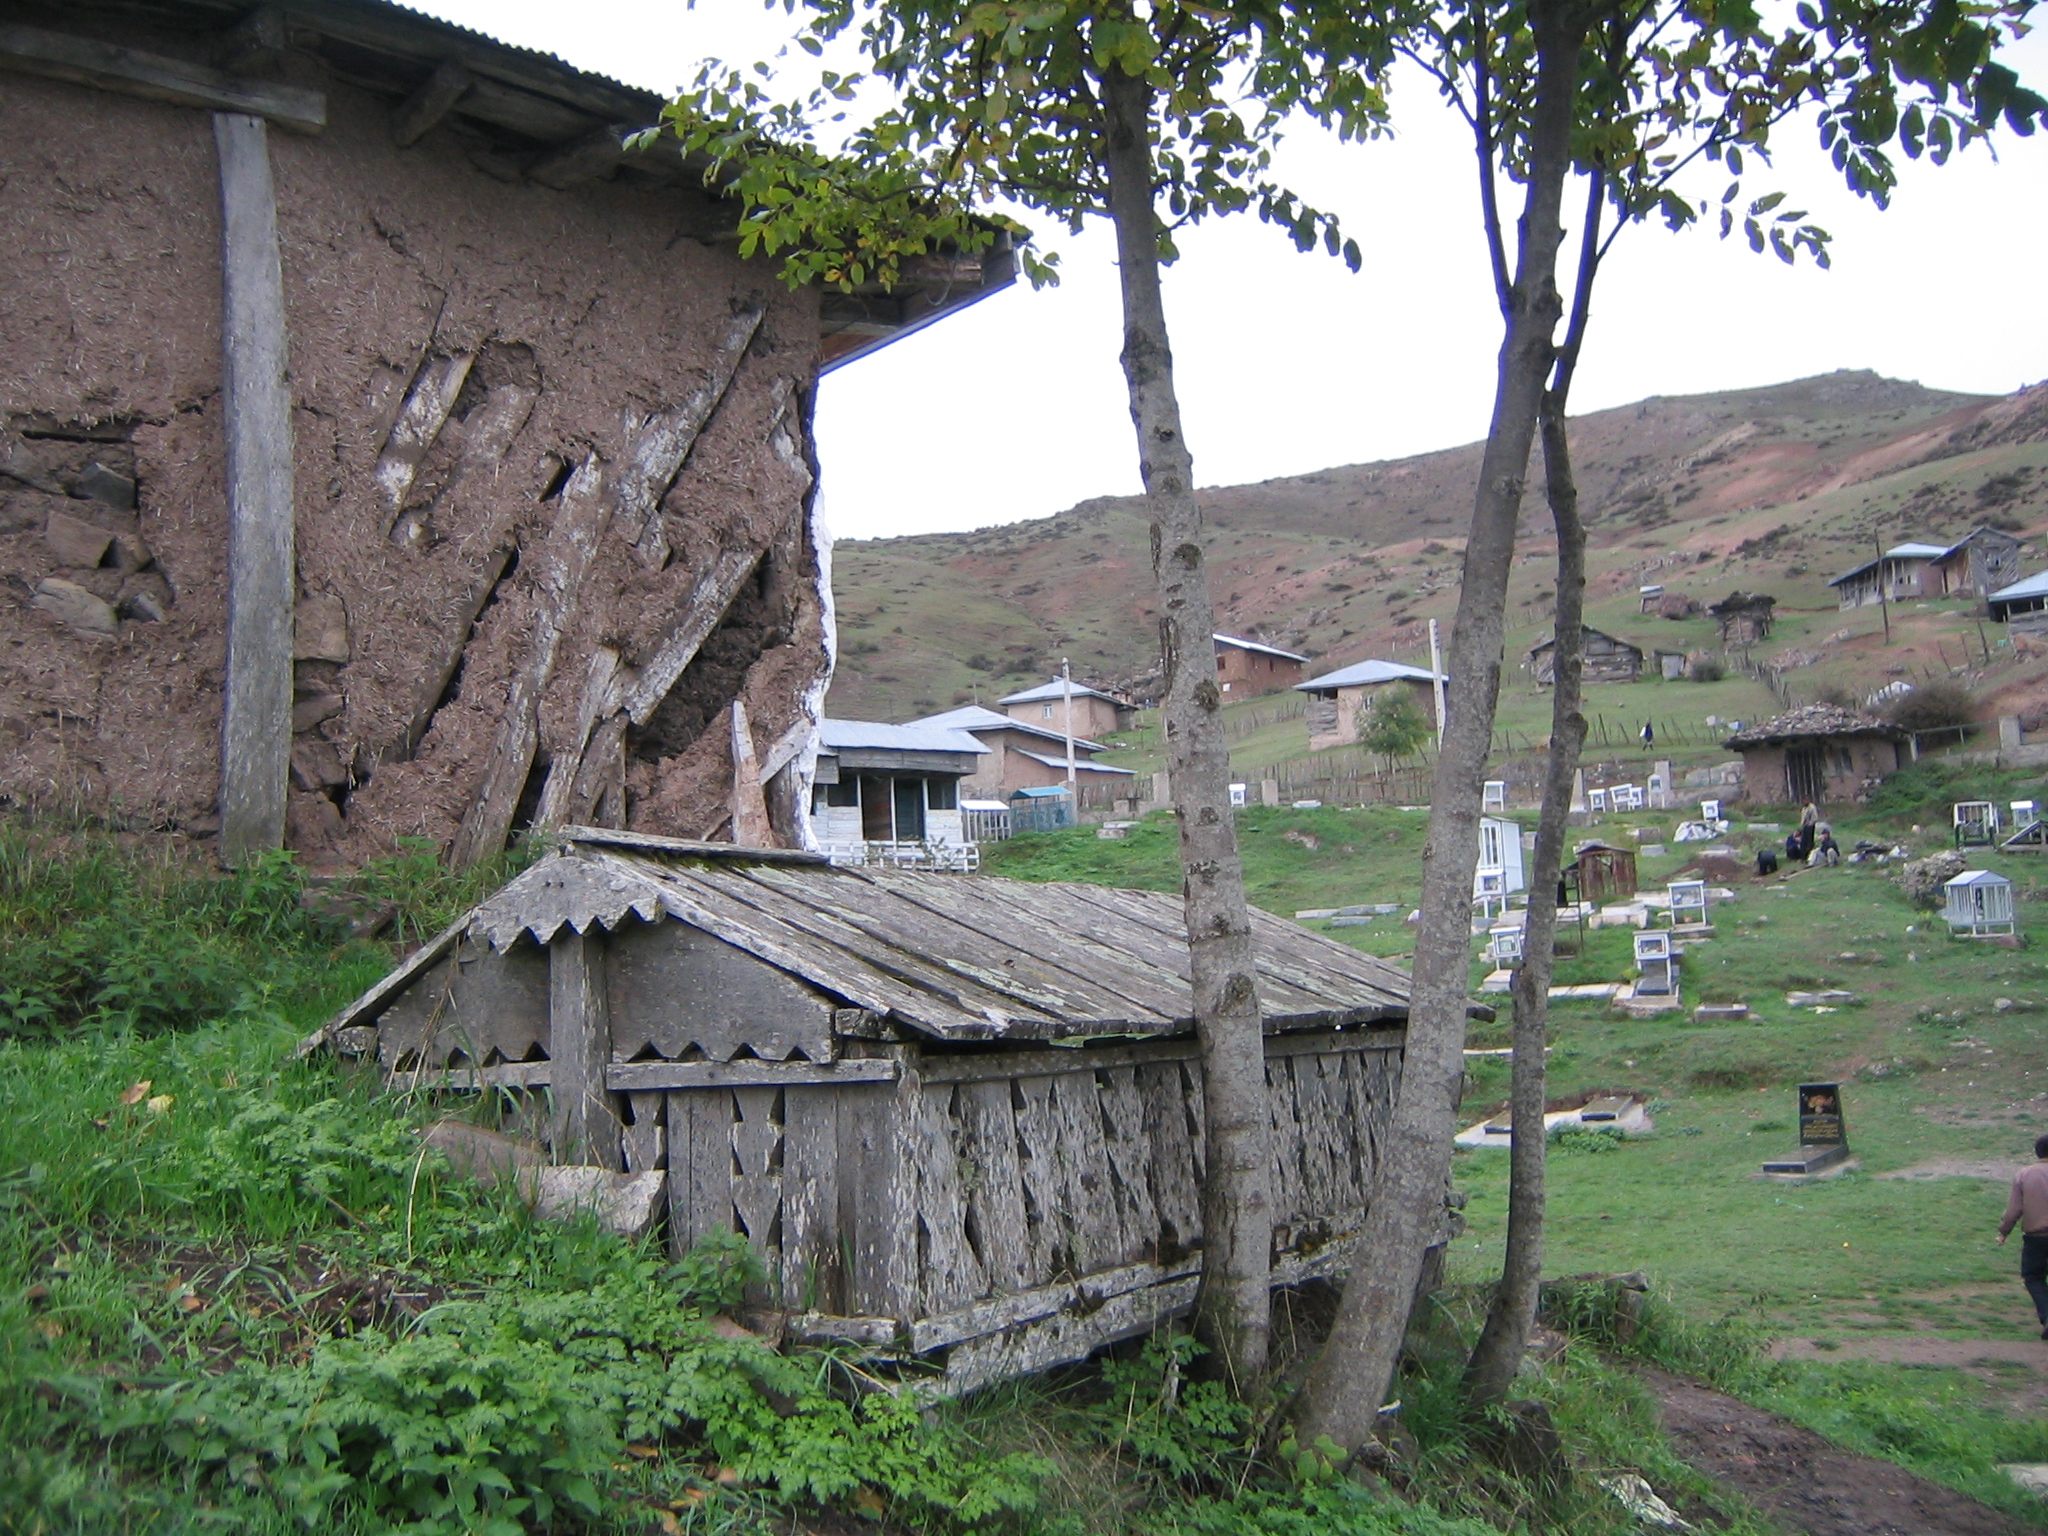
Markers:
point(1774, 489)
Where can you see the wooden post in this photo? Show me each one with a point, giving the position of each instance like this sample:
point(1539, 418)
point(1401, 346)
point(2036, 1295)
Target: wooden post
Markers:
point(750, 825)
point(256, 703)
point(586, 1128)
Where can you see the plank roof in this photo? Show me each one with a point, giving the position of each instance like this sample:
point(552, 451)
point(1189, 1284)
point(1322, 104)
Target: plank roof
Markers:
point(957, 957)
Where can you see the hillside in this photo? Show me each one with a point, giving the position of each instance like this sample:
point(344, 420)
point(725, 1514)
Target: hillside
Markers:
point(1775, 488)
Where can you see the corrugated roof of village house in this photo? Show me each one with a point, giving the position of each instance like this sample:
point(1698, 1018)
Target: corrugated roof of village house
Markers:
point(962, 957)
point(1812, 720)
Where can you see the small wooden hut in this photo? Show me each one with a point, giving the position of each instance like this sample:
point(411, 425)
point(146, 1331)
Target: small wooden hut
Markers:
point(954, 1115)
point(1605, 873)
point(1609, 659)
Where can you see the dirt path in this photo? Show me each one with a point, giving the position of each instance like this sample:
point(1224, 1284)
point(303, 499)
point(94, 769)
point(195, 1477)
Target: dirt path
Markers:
point(1803, 1482)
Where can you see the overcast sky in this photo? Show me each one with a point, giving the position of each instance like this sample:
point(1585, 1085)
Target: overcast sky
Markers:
point(1289, 363)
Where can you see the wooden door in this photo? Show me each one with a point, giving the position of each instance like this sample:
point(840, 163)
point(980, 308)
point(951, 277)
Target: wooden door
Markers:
point(1803, 779)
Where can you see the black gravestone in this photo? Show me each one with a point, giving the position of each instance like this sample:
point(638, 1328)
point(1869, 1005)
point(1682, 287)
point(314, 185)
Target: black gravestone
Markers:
point(1823, 1133)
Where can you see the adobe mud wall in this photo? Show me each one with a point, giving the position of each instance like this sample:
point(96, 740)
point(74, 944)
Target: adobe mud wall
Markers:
point(483, 374)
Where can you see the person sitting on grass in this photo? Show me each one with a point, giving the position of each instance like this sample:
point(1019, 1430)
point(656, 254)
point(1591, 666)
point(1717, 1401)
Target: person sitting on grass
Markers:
point(2028, 1207)
point(1824, 849)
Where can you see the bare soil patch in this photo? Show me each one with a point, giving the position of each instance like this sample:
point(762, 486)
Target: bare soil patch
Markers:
point(1802, 1481)
point(2000, 1169)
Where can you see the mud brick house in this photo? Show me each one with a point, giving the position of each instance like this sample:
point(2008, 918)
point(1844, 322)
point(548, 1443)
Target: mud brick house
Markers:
point(1820, 753)
point(386, 451)
point(1096, 712)
point(1248, 668)
point(956, 1117)
point(1608, 659)
point(1021, 755)
point(1340, 703)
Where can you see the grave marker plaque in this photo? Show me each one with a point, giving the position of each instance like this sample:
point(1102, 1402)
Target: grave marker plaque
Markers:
point(1823, 1133)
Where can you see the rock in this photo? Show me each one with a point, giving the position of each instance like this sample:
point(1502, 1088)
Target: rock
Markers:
point(307, 713)
point(320, 629)
point(130, 553)
point(356, 1040)
point(21, 463)
point(72, 605)
point(1924, 878)
point(625, 1203)
point(317, 764)
point(2002, 1005)
point(311, 823)
point(144, 595)
point(109, 487)
point(2031, 1476)
point(475, 1153)
point(74, 541)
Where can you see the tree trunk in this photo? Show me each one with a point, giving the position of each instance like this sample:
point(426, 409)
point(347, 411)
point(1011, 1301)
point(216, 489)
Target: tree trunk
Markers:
point(1347, 1384)
point(1498, 1356)
point(1237, 1218)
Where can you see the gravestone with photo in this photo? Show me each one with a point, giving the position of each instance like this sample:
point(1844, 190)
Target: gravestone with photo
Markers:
point(1823, 1133)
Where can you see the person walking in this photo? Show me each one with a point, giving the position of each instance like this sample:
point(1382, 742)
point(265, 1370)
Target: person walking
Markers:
point(2027, 1207)
point(1649, 736)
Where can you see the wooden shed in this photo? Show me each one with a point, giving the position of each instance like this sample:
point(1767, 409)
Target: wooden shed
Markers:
point(1609, 659)
point(954, 1115)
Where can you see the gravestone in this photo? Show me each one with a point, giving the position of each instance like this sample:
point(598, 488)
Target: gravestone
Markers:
point(1823, 1133)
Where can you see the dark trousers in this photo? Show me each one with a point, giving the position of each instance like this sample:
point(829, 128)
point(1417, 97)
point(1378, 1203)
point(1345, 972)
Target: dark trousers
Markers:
point(2034, 1271)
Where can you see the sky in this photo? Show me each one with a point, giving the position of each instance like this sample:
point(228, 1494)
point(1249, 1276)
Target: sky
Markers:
point(1288, 363)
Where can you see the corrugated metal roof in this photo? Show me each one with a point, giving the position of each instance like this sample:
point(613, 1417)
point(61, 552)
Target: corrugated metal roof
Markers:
point(1255, 645)
point(834, 735)
point(1081, 765)
point(1054, 689)
point(968, 957)
point(1361, 673)
point(1911, 551)
point(2031, 586)
point(978, 717)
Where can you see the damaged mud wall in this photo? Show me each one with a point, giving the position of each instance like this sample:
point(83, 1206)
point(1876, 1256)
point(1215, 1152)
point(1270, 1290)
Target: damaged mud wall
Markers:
point(551, 479)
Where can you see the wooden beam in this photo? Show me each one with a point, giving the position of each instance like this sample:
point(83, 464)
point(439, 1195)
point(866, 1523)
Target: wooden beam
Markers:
point(636, 1076)
point(586, 1127)
point(255, 43)
point(256, 705)
point(433, 100)
point(750, 828)
point(580, 160)
point(156, 77)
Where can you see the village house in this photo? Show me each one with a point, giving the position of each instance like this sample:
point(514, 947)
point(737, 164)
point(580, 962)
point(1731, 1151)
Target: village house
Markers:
point(1744, 617)
point(1608, 659)
point(953, 1116)
point(389, 451)
point(1340, 703)
point(1978, 564)
point(2023, 606)
point(1247, 668)
point(1818, 753)
point(889, 792)
point(1020, 755)
point(1903, 573)
point(1097, 713)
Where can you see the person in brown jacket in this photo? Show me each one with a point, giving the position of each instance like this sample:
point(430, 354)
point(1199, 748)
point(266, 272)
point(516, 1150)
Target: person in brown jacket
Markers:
point(2027, 1207)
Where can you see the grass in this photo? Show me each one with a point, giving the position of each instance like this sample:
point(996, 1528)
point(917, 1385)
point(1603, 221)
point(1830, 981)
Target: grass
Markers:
point(1935, 1069)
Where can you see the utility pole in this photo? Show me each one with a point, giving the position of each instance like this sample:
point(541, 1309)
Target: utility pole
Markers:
point(1884, 606)
point(1436, 672)
point(1067, 712)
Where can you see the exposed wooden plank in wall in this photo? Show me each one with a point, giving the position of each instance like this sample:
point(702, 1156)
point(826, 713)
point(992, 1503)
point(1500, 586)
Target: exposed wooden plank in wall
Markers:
point(623, 1076)
point(158, 77)
point(586, 1127)
point(431, 102)
point(750, 828)
point(665, 440)
point(813, 1276)
point(256, 704)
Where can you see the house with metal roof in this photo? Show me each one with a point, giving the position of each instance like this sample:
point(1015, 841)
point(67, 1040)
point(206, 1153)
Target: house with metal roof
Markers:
point(1977, 564)
point(2023, 606)
point(1097, 712)
point(891, 794)
point(1248, 668)
point(1341, 702)
point(1608, 658)
point(954, 1117)
point(1902, 573)
point(1021, 754)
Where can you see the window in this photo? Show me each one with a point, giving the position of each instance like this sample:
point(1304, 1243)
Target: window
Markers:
point(1048, 712)
point(843, 795)
point(942, 794)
